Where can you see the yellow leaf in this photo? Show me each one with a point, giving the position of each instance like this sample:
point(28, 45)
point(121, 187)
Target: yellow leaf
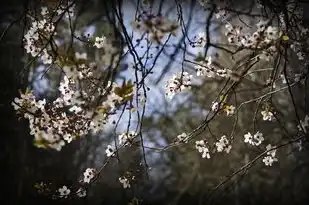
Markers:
point(285, 38)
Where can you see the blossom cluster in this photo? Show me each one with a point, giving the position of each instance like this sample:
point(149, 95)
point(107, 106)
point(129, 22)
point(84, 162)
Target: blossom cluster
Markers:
point(66, 118)
point(223, 145)
point(125, 182)
point(271, 156)
point(126, 137)
point(184, 137)
point(263, 36)
point(255, 140)
point(202, 148)
point(207, 68)
point(89, 174)
point(178, 83)
point(40, 31)
point(267, 115)
point(64, 192)
point(110, 151)
point(156, 26)
point(38, 39)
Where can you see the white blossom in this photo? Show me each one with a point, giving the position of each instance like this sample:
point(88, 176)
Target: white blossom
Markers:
point(75, 109)
point(248, 138)
point(178, 83)
point(110, 151)
point(126, 137)
point(44, 10)
point(64, 191)
point(271, 156)
point(88, 175)
point(269, 160)
point(223, 145)
point(81, 192)
point(258, 138)
point(205, 68)
point(125, 182)
point(41, 104)
point(255, 139)
point(201, 40)
point(201, 147)
point(215, 106)
point(183, 137)
point(99, 42)
point(267, 115)
point(229, 109)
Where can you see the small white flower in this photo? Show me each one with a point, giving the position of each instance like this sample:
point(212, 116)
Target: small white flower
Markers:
point(183, 138)
point(272, 33)
point(248, 138)
point(125, 182)
point(269, 160)
point(272, 152)
point(283, 79)
point(201, 40)
point(205, 68)
point(261, 25)
point(178, 83)
point(88, 175)
point(271, 156)
point(223, 145)
point(81, 192)
point(99, 42)
point(44, 11)
point(41, 104)
point(201, 147)
point(64, 191)
point(75, 109)
point(258, 138)
point(267, 116)
point(126, 138)
point(229, 109)
point(215, 106)
point(110, 151)
point(68, 137)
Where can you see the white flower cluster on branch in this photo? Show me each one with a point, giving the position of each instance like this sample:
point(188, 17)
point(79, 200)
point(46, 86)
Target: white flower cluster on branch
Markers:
point(127, 137)
point(202, 148)
point(65, 119)
point(223, 145)
point(271, 156)
point(255, 140)
point(178, 83)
